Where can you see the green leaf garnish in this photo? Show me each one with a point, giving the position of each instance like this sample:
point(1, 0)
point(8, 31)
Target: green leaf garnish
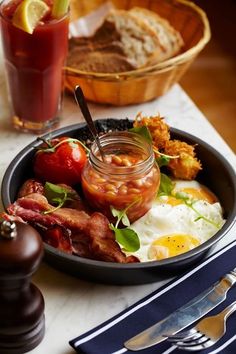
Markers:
point(121, 216)
point(200, 216)
point(166, 185)
point(51, 148)
point(53, 191)
point(190, 203)
point(128, 238)
point(143, 131)
point(56, 195)
point(162, 160)
point(167, 188)
point(183, 196)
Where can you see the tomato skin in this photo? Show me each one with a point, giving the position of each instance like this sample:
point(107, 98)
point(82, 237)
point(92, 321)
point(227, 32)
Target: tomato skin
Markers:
point(63, 165)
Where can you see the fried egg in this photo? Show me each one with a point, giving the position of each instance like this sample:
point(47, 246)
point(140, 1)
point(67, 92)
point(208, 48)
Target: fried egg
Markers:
point(172, 226)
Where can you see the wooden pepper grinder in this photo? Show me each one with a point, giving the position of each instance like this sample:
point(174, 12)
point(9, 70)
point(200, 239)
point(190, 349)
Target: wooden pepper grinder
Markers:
point(22, 322)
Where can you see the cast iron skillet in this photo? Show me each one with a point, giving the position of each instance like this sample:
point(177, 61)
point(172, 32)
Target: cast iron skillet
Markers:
point(217, 174)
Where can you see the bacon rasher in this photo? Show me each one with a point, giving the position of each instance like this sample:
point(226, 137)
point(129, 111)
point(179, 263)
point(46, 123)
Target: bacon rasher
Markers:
point(68, 229)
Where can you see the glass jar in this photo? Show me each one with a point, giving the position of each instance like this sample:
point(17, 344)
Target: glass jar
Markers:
point(127, 178)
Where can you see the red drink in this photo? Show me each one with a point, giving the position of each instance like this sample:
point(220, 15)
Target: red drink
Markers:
point(34, 64)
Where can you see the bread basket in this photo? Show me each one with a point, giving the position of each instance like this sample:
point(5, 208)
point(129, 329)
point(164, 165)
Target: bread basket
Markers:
point(141, 85)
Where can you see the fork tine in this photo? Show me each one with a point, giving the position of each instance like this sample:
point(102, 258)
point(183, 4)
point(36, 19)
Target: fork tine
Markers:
point(188, 339)
point(196, 347)
point(180, 335)
point(193, 342)
point(192, 349)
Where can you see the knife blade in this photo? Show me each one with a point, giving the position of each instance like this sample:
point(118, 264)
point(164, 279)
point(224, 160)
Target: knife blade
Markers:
point(185, 315)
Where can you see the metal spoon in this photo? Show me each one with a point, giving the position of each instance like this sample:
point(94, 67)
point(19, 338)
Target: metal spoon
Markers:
point(80, 99)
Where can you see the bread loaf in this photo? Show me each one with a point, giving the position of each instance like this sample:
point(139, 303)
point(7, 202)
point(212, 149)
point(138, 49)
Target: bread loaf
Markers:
point(127, 40)
point(101, 62)
point(170, 39)
point(139, 40)
point(102, 53)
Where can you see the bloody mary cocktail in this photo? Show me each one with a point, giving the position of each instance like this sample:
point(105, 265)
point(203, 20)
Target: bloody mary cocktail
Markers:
point(34, 66)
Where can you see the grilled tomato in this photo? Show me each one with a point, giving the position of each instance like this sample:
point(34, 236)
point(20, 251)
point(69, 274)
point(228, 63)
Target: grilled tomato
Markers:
point(60, 160)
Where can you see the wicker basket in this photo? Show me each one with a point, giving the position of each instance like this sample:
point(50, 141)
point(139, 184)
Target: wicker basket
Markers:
point(144, 84)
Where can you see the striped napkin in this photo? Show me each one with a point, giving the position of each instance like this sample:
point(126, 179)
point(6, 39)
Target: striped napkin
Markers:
point(108, 338)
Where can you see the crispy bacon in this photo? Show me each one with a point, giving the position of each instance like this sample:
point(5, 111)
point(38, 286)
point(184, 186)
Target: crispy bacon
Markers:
point(76, 202)
point(31, 208)
point(35, 186)
point(81, 245)
point(103, 244)
point(9, 217)
point(31, 186)
point(58, 237)
point(68, 229)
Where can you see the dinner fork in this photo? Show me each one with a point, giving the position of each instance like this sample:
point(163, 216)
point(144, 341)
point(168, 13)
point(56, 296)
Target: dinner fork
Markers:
point(205, 334)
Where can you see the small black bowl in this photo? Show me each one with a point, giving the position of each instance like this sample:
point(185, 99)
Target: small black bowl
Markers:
point(217, 174)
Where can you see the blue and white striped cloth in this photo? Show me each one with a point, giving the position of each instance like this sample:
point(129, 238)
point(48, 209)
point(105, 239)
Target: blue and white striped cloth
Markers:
point(108, 338)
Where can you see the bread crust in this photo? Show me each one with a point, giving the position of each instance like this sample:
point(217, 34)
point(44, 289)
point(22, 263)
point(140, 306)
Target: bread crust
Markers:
point(169, 38)
point(127, 40)
point(101, 53)
point(100, 62)
point(140, 41)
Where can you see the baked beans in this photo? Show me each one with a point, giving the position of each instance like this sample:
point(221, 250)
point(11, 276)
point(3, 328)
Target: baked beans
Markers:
point(105, 190)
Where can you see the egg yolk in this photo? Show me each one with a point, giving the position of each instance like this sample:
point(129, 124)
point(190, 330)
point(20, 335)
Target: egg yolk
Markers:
point(172, 245)
point(174, 201)
point(201, 194)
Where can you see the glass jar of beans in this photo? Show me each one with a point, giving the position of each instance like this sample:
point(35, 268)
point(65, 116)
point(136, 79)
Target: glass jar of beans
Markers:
point(126, 178)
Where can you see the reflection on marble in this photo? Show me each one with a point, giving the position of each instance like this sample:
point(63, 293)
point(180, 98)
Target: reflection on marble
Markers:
point(74, 306)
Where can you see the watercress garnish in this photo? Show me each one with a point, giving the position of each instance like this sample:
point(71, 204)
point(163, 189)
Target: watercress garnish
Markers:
point(162, 159)
point(167, 189)
point(143, 131)
point(49, 147)
point(56, 195)
point(190, 203)
point(166, 185)
point(127, 237)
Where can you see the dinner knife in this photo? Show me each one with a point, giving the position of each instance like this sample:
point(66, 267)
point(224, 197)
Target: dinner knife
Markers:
point(185, 315)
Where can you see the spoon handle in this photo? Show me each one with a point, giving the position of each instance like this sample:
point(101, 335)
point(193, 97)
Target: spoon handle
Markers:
point(80, 99)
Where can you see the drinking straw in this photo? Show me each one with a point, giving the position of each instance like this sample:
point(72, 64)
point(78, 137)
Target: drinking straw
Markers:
point(60, 8)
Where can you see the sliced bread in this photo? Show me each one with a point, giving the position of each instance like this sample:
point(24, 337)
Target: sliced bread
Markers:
point(101, 53)
point(170, 39)
point(126, 40)
point(139, 40)
point(100, 62)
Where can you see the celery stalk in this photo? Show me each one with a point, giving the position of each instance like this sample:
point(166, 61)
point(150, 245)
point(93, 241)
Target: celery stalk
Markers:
point(60, 8)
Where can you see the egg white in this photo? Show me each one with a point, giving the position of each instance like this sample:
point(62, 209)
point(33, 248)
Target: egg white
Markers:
point(167, 219)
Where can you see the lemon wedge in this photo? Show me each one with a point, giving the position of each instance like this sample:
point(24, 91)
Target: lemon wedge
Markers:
point(28, 14)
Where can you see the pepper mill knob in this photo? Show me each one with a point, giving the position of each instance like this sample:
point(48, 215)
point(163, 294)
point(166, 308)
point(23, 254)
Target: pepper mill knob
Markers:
point(8, 229)
point(22, 321)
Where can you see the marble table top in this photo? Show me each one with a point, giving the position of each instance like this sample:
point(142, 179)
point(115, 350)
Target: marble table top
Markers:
point(73, 306)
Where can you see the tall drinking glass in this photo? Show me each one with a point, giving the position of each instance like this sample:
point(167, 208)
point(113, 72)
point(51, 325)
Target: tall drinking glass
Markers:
point(34, 67)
